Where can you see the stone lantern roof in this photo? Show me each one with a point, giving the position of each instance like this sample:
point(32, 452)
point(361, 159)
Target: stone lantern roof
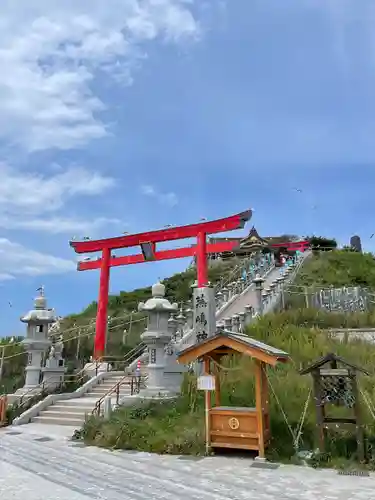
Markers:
point(158, 302)
point(40, 313)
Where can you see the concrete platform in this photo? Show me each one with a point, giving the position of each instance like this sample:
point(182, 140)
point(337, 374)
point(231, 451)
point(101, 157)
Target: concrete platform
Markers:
point(40, 463)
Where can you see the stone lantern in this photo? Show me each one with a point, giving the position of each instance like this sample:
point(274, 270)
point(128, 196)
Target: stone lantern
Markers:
point(258, 281)
point(37, 342)
point(157, 337)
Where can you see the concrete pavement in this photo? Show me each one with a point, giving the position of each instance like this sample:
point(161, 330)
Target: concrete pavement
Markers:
point(39, 463)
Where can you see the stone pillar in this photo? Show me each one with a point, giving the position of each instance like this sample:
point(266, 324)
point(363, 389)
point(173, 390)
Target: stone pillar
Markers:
point(181, 322)
point(204, 313)
point(248, 314)
point(189, 318)
point(235, 323)
point(157, 337)
point(220, 328)
point(219, 300)
point(228, 324)
point(264, 301)
point(36, 342)
point(225, 293)
point(280, 282)
point(173, 328)
point(258, 281)
point(242, 321)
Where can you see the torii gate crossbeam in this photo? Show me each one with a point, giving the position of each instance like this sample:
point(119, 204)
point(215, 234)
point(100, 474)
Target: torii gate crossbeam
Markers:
point(147, 241)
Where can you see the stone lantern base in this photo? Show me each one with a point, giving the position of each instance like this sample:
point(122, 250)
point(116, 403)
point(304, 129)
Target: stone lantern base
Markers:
point(53, 377)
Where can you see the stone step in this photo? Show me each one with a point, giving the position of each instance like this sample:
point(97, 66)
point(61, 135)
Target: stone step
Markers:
point(71, 409)
point(108, 387)
point(98, 392)
point(78, 422)
point(78, 402)
point(65, 413)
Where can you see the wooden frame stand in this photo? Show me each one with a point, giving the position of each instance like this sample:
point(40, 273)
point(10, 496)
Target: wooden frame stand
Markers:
point(235, 427)
point(335, 382)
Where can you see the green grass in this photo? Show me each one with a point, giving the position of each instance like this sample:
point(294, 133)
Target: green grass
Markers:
point(338, 268)
point(177, 427)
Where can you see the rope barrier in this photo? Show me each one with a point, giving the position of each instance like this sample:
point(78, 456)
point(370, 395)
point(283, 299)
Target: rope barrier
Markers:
point(80, 336)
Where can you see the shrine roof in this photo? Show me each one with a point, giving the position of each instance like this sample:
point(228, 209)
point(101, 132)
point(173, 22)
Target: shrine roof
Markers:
point(329, 358)
point(233, 342)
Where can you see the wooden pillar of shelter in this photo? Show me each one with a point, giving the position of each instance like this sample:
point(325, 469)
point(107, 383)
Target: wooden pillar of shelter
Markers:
point(321, 431)
point(208, 405)
point(358, 417)
point(259, 402)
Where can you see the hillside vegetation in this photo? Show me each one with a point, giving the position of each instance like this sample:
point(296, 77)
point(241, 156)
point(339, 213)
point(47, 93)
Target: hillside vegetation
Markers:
point(338, 268)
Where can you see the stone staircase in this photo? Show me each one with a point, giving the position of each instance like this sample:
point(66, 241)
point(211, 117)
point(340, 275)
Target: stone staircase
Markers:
point(74, 411)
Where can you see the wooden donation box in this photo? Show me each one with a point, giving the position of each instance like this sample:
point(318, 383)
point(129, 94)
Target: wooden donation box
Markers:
point(234, 427)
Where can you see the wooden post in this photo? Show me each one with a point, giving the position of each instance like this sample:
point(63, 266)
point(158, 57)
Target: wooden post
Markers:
point(259, 406)
point(265, 398)
point(217, 386)
point(306, 290)
point(320, 413)
point(207, 405)
point(2, 361)
point(78, 344)
point(358, 423)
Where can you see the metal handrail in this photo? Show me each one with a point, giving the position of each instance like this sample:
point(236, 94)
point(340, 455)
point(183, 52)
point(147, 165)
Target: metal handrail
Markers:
point(22, 401)
point(135, 386)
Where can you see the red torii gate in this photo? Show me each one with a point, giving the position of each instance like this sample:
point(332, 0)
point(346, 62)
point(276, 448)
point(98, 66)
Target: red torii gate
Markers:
point(147, 241)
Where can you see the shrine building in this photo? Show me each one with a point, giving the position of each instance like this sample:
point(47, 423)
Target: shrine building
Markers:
point(254, 243)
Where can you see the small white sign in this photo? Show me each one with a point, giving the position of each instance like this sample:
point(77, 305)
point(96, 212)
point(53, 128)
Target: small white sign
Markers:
point(206, 383)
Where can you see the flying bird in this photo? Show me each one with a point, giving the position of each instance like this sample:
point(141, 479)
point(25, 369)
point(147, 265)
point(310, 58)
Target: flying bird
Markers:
point(203, 218)
point(373, 234)
point(298, 190)
point(168, 225)
point(86, 259)
point(10, 304)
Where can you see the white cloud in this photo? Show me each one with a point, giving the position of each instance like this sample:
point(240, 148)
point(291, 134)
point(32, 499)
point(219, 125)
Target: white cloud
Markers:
point(26, 198)
point(38, 193)
point(170, 199)
point(51, 51)
point(16, 260)
point(60, 225)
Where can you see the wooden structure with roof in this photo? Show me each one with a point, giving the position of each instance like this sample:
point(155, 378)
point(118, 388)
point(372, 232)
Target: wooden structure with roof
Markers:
point(335, 382)
point(254, 243)
point(236, 427)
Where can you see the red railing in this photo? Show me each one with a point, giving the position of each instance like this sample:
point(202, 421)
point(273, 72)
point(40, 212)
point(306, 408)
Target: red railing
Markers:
point(3, 409)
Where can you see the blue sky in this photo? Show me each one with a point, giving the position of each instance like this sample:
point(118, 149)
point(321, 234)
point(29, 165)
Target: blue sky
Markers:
point(126, 115)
